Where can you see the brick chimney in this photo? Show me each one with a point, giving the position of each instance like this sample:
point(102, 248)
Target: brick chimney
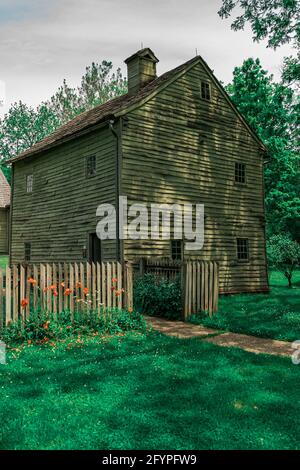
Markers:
point(141, 69)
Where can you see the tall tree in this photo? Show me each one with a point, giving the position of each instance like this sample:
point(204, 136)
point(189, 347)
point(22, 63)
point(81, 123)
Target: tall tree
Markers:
point(270, 109)
point(278, 21)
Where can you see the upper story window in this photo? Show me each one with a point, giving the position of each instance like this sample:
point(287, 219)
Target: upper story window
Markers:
point(29, 183)
point(91, 166)
point(27, 251)
point(242, 245)
point(176, 250)
point(240, 173)
point(205, 91)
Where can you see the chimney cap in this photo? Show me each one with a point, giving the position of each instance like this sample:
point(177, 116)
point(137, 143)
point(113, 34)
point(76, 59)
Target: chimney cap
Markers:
point(146, 52)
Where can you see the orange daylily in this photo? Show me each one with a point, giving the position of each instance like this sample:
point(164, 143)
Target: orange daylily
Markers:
point(114, 279)
point(24, 303)
point(68, 292)
point(32, 281)
point(130, 310)
point(78, 285)
point(118, 293)
point(53, 287)
point(86, 291)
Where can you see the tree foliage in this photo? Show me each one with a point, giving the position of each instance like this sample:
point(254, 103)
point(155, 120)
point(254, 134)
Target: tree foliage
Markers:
point(277, 21)
point(284, 254)
point(272, 110)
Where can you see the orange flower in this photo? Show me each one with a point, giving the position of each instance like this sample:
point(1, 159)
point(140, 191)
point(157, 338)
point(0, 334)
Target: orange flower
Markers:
point(130, 310)
point(86, 291)
point(113, 288)
point(46, 325)
point(53, 287)
point(114, 279)
point(29, 341)
point(24, 303)
point(118, 293)
point(62, 284)
point(45, 289)
point(78, 285)
point(32, 281)
point(68, 292)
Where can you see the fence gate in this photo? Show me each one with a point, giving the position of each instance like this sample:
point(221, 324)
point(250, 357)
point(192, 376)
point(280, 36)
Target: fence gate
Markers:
point(200, 285)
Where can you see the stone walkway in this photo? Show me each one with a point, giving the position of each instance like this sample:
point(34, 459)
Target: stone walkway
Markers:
point(252, 344)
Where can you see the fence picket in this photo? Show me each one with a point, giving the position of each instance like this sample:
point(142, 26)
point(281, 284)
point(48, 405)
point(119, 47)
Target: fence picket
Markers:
point(8, 295)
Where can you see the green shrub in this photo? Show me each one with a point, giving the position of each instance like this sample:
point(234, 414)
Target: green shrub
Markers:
point(43, 326)
point(158, 297)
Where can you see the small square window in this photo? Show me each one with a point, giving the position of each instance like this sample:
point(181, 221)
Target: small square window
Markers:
point(205, 91)
point(242, 249)
point(27, 251)
point(29, 183)
point(240, 173)
point(91, 166)
point(176, 250)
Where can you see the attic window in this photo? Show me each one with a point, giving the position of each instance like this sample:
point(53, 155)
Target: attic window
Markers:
point(242, 249)
point(205, 91)
point(240, 172)
point(91, 166)
point(29, 183)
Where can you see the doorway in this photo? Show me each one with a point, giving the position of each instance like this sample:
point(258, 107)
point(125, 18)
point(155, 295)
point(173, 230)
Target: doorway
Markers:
point(95, 255)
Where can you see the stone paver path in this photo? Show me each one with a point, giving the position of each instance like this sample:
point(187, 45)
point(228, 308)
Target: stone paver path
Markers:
point(235, 340)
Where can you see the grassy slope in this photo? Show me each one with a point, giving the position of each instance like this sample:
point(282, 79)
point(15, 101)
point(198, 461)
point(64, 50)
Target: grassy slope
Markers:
point(148, 392)
point(274, 315)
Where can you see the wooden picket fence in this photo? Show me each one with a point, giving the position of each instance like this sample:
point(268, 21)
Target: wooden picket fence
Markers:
point(200, 287)
point(58, 287)
point(199, 281)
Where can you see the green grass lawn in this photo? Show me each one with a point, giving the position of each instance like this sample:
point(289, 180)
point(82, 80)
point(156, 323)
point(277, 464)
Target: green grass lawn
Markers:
point(148, 392)
point(273, 315)
point(3, 261)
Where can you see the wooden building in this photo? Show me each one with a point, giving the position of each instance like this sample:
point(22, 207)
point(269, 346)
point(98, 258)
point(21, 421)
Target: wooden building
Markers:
point(4, 214)
point(176, 138)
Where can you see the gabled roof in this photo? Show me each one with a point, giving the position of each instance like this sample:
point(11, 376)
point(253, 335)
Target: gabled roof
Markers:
point(118, 106)
point(4, 191)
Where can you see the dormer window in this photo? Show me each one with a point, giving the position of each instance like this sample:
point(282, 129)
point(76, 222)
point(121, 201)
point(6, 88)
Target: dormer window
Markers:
point(29, 183)
point(205, 91)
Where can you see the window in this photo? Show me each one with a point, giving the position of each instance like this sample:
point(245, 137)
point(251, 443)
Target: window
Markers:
point(91, 166)
point(240, 173)
point(29, 183)
point(242, 249)
point(205, 91)
point(176, 250)
point(27, 251)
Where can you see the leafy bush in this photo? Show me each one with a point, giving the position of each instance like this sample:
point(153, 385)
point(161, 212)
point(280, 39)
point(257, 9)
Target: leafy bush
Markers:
point(158, 297)
point(284, 254)
point(43, 327)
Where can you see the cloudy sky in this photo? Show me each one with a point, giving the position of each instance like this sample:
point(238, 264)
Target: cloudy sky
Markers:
point(44, 41)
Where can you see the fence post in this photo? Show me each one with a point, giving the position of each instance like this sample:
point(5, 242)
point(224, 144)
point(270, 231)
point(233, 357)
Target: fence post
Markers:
point(129, 285)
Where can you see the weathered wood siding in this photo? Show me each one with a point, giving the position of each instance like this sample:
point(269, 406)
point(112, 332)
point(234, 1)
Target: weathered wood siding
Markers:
point(4, 217)
point(58, 215)
point(179, 148)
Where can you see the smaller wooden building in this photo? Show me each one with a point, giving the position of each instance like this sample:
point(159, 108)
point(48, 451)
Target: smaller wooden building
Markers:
point(4, 214)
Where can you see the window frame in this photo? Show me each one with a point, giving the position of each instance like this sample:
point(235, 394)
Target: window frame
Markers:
point(29, 187)
point(239, 171)
point(180, 244)
point(27, 246)
point(87, 159)
point(241, 249)
point(204, 95)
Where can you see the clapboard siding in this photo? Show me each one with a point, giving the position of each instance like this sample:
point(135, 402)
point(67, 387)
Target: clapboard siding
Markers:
point(4, 217)
point(60, 212)
point(178, 148)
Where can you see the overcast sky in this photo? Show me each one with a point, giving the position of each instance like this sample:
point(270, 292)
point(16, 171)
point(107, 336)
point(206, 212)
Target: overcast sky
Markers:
point(44, 41)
